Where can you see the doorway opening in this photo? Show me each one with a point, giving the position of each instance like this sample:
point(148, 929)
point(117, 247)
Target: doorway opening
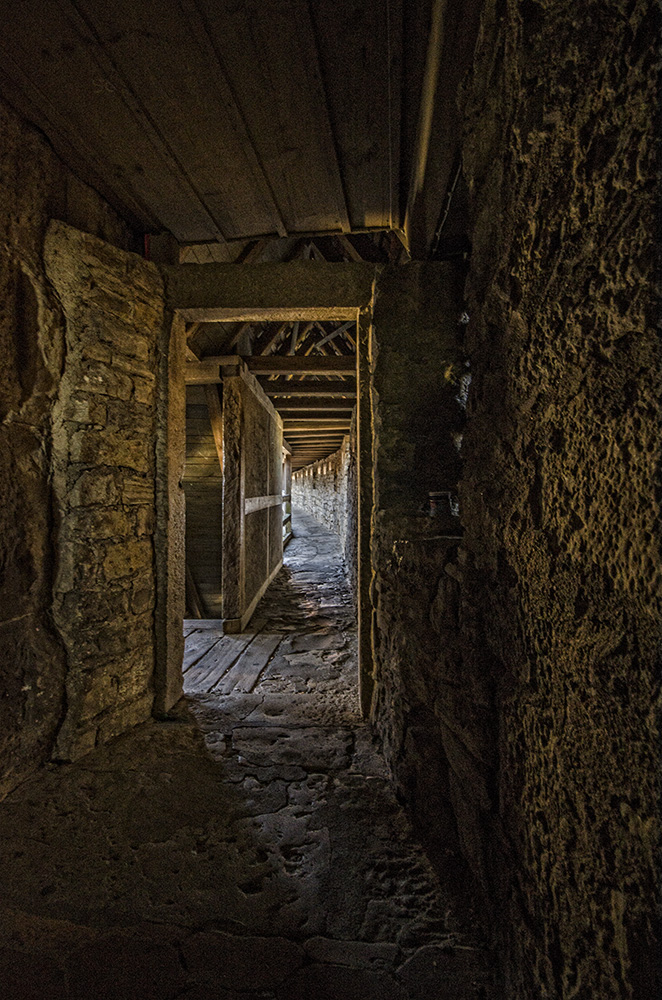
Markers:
point(271, 449)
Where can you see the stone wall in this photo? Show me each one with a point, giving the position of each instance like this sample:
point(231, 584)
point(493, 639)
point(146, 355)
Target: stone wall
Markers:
point(532, 693)
point(104, 472)
point(327, 491)
point(34, 186)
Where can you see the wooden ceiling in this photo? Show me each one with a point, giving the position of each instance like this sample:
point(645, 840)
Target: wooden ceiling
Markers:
point(223, 120)
point(255, 130)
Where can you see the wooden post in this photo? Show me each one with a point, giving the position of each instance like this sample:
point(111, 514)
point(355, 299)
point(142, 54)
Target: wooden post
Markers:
point(365, 505)
point(233, 568)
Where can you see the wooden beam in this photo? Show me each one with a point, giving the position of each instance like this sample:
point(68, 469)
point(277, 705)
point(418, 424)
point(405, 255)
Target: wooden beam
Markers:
point(216, 419)
point(272, 340)
point(299, 290)
point(295, 337)
point(350, 249)
point(281, 387)
point(253, 252)
point(313, 425)
point(301, 365)
point(426, 112)
point(283, 405)
point(314, 437)
point(208, 371)
point(193, 598)
point(330, 336)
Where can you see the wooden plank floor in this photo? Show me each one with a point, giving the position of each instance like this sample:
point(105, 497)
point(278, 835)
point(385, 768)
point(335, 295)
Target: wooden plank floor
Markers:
point(226, 663)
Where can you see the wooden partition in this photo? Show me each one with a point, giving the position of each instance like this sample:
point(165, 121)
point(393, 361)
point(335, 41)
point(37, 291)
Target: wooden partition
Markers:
point(252, 495)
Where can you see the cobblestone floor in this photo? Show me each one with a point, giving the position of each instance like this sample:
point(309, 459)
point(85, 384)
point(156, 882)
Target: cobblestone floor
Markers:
point(252, 848)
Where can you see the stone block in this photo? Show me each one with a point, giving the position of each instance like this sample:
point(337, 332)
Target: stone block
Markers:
point(146, 278)
point(331, 982)
point(146, 315)
point(105, 523)
point(85, 410)
point(137, 491)
point(123, 339)
point(123, 717)
point(89, 605)
point(96, 447)
point(127, 558)
point(100, 378)
point(133, 367)
point(94, 486)
point(123, 967)
point(458, 972)
point(107, 301)
point(106, 687)
point(143, 595)
point(246, 963)
point(92, 350)
point(143, 520)
point(143, 390)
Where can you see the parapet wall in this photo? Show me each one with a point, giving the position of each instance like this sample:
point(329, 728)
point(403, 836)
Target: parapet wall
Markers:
point(327, 491)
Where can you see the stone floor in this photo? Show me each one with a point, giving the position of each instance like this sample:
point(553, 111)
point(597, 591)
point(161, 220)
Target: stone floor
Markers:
point(250, 848)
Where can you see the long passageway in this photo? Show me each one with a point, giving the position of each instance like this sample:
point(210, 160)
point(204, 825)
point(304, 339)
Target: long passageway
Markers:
point(252, 847)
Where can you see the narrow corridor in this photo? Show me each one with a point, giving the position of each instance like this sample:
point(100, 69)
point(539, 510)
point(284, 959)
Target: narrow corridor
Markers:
point(251, 847)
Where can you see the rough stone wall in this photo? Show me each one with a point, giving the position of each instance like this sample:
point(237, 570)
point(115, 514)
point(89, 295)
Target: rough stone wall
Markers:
point(327, 491)
point(34, 186)
point(104, 438)
point(559, 488)
point(535, 691)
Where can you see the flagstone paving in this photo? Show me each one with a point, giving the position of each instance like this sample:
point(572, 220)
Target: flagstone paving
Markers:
point(250, 847)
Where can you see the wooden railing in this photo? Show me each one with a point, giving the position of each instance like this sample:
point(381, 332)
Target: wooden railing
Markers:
point(287, 518)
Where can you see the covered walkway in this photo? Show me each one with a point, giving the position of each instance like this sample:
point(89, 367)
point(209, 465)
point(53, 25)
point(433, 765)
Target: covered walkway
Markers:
point(249, 847)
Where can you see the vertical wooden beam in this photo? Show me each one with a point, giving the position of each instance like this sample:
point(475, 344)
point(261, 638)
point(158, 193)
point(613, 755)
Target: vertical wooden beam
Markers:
point(233, 569)
point(193, 599)
point(170, 527)
point(365, 506)
point(215, 411)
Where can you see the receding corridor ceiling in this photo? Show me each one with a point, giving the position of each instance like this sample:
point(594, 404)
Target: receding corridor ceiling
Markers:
point(221, 120)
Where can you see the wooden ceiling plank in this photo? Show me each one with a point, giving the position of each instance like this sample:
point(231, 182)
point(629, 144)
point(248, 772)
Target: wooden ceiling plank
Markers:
point(267, 56)
point(121, 86)
point(70, 141)
point(317, 88)
point(366, 130)
point(205, 40)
